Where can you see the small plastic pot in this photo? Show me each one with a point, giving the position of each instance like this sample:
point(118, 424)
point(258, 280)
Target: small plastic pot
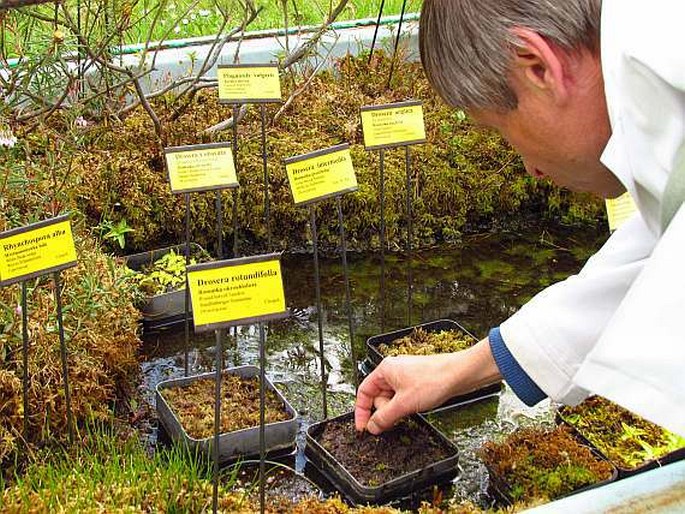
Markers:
point(279, 436)
point(623, 471)
point(374, 357)
point(164, 309)
point(400, 487)
point(499, 488)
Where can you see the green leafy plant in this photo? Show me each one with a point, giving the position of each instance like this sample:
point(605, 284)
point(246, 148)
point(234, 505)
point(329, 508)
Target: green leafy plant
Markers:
point(116, 231)
point(164, 275)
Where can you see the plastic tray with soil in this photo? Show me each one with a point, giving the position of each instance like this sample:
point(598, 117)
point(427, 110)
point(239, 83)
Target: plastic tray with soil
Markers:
point(441, 336)
point(534, 464)
point(378, 469)
point(186, 410)
point(630, 442)
point(160, 275)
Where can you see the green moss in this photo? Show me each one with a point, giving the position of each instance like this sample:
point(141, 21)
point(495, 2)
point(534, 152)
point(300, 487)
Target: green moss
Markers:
point(542, 464)
point(464, 179)
point(422, 342)
point(625, 438)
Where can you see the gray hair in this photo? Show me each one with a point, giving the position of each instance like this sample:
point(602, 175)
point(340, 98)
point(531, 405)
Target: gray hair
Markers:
point(466, 45)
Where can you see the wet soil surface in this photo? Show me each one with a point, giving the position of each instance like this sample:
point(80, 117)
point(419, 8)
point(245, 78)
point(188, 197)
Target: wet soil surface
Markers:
point(375, 460)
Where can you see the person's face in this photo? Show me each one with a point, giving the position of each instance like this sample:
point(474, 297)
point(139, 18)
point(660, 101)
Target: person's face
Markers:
point(563, 143)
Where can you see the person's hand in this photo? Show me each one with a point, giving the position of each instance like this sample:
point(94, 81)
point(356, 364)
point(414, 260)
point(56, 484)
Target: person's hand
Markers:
point(403, 385)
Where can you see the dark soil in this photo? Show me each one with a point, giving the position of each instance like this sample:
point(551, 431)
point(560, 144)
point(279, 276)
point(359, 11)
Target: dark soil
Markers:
point(542, 464)
point(374, 460)
point(194, 405)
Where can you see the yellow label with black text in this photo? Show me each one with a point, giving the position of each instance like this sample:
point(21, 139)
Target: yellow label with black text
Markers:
point(619, 210)
point(33, 252)
point(201, 169)
point(236, 292)
point(249, 84)
point(398, 125)
point(321, 176)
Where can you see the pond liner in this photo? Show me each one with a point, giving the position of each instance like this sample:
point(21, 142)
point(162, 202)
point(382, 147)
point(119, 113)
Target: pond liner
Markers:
point(279, 437)
point(623, 472)
point(374, 357)
point(498, 488)
point(401, 487)
point(165, 309)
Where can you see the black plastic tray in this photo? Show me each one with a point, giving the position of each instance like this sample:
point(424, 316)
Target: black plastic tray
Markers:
point(622, 471)
point(400, 487)
point(374, 357)
point(166, 309)
point(498, 489)
point(279, 436)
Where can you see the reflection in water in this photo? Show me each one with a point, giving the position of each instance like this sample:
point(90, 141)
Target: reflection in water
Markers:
point(479, 285)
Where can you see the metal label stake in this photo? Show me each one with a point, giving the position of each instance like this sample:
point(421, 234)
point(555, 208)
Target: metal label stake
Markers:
point(348, 301)
point(381, 156)
point(217, 417)
point(410, 278)
point(267, 201)
point(375, 32)
point(25, 355)
point(262, 417)
point(319, 320)
point(63, 354)
point(186, 319)
point(236, 112)
point(397, 43)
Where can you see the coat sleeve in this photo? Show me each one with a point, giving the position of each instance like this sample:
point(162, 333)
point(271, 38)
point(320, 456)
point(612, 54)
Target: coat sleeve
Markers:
point(553, 333)
point(639, 361)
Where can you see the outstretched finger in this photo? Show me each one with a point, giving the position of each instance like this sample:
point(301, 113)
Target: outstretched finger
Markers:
point(372, 387)
point(387, 414)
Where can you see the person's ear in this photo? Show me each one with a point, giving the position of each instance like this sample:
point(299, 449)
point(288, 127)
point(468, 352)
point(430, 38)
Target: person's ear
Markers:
point(539, 64)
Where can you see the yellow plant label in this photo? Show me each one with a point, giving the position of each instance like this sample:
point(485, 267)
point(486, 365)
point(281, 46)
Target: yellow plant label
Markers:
point(200, 167)
point(36, 249)
point(386, 126)
point(236, 291)
point(249, 83)
point(619, 210)
point(322, 174)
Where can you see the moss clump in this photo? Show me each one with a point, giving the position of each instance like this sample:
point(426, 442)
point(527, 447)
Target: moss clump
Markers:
point(193, 404)
point(422, 342)
point(464, 179)
point(542, 464)
point(625, 438)
point(101, 327)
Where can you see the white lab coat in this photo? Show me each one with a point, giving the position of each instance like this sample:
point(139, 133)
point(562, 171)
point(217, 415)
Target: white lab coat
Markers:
point(618, 327)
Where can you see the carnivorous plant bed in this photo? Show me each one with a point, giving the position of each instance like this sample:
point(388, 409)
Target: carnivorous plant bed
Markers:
point(626, 439)
point(194, 405)
point(374, 460)
point(542, 464)
point(422, 342)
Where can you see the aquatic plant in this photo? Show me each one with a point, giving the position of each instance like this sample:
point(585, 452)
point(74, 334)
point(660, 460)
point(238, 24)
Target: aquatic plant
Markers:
point(423, 342)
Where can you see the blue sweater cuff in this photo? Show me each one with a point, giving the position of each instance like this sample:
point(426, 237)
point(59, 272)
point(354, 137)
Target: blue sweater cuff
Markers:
point(513, 373)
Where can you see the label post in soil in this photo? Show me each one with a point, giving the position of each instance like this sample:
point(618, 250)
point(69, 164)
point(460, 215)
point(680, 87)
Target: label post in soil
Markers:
point(241, 84)
point(236, 292)
point(619, 210)
point(389, 126)
point(314, 177)
point(392, 125)
point(249, 83)
point(230, 293)
point(197, 168)
point(36, 250)
point(200, 167)
point(33, 251)
point(322, 174)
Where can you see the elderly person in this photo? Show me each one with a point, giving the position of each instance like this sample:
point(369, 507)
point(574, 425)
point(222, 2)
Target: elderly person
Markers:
point(591, 93)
